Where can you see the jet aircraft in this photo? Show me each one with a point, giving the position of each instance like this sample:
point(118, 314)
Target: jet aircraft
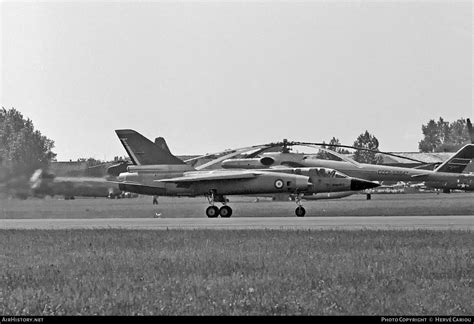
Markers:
point(448, 175)
point(170, 176)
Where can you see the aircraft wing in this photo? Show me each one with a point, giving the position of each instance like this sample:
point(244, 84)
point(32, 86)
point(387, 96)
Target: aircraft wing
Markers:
point(212, 176)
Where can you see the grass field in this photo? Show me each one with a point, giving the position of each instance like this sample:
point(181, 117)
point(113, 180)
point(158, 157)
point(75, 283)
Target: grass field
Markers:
point(232, 272)
point(356, 205)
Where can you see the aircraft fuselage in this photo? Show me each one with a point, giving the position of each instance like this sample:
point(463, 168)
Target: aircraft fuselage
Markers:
point(282, 180)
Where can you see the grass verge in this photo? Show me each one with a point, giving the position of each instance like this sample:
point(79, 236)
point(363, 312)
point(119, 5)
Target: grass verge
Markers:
point(241, 272)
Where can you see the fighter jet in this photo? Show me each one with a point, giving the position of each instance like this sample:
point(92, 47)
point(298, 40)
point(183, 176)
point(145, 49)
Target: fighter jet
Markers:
point(449, 175)
point(170, 176)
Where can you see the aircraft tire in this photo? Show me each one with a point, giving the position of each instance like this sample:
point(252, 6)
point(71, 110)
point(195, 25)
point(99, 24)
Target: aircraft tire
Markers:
point(212, 211)
point(225, 211)
point(300, 211)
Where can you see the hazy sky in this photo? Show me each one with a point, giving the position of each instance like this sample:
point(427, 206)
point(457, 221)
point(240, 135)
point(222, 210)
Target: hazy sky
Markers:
point(214, 75)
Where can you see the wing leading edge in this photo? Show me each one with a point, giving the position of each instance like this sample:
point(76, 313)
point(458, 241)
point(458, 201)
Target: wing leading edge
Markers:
point(211, 176)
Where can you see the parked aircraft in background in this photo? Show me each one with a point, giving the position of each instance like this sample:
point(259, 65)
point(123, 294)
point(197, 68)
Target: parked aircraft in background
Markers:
point(316, 196)
point(170, 176)
point(330, 195)
point(447, 176)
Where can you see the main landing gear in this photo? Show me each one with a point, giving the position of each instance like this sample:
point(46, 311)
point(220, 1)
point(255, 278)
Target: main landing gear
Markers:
point(213, 211)
point(299, 211)
point(225, 211)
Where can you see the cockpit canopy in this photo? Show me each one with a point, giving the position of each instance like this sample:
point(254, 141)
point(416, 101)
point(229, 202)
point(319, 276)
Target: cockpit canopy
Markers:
point(321, 172)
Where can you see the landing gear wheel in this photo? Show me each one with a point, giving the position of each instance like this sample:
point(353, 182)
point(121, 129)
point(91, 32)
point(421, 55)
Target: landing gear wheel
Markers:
point(212, 211)
point(225, 211)
point(300, 211)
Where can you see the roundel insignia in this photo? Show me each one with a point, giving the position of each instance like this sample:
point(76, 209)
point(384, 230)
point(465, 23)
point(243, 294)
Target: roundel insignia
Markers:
point(279, 184)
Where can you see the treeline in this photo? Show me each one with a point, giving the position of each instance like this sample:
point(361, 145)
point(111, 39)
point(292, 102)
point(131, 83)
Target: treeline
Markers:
point(443, 136)
point(22, 148)
point(440, 136)
point(91, 162)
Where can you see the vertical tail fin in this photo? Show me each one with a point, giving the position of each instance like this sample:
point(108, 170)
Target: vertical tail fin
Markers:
point(142, 151)
point(459, 161)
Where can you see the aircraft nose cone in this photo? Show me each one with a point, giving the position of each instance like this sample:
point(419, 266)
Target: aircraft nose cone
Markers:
point(357, 184)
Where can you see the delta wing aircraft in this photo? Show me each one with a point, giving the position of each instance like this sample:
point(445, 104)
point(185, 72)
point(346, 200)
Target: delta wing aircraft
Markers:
point(449, 175)
point(170, 176)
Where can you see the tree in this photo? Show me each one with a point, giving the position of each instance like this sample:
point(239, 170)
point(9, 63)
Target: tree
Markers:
point(368, 142)
point(333, 146)
point(442, 136)
point(22, 148)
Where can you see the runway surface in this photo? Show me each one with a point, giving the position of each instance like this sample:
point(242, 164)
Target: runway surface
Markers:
point(457, 222)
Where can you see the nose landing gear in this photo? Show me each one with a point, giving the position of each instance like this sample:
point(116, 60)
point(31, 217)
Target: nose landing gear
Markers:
point(299, 211)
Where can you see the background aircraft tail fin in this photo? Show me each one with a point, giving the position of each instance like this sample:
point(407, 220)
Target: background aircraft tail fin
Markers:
point(160, 141)
point(470, 130)
point(142, 151)
point(459, 161)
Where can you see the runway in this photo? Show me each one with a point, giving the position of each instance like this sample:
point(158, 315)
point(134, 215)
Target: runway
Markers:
point(458, 222)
